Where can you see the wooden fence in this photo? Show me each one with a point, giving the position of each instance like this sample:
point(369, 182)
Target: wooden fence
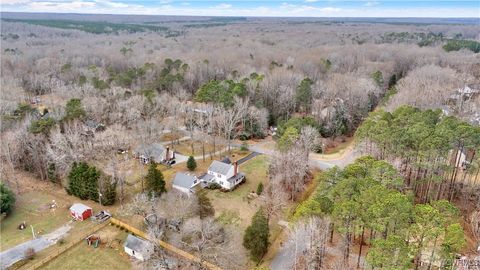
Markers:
point(164, 245)
point(66, 247)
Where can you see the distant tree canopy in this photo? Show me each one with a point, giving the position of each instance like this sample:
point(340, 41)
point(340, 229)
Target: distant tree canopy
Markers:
point(303, 95)
point(366, 195)
point(221, 92)
point(289, 137)
point(42, 125)
point(172, 73)
point(377, 76)
point(95, 27)
point(23, 109)
point(419, 138)
point(74, 109)
point(7, 199)
point(298, 123)
point(458, 44)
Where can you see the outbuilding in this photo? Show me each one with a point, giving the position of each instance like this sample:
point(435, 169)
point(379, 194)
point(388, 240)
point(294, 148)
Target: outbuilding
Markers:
point(138, 247)
point(185, 183)
point(80, 211)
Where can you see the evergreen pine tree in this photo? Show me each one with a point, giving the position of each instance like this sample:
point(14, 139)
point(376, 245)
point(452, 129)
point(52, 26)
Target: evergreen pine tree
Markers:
point(155, 184)
point(256, 236)
point(191, 163)
point(7, 199)
point(205, 206)
point(108, 190)
point(83, 181)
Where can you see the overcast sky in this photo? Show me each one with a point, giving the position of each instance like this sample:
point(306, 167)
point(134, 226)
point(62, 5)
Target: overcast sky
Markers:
point(293, 8)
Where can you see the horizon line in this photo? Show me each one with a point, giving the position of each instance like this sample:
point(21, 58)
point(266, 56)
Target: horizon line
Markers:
point(239, 16)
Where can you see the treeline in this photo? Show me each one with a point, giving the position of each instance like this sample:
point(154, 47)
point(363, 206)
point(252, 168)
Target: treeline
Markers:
point(92, 26)
point(458, 44)
point(368, 202)
point(436, 154)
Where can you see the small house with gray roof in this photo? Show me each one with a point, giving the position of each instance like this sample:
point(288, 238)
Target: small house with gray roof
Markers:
point(138, 247)
point(185, 183)
point(155, 152)
point(224, 174)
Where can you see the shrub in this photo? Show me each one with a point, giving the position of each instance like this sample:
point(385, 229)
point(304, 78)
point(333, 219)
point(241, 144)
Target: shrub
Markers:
point(52, 173)
point(74, 109)
point(214, 186)
point(191, 163)
point(205, 207)
point(42, 125)
point(244, 147)
point(260, 188)
point(7, 199)
point(29, 254)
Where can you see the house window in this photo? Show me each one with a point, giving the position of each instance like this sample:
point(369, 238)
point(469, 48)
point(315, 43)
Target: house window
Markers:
point(219, 175)
point(221, 183)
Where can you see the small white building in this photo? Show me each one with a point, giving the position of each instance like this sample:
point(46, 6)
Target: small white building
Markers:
point(185, 183)
point(224, 174)
point(138, 247)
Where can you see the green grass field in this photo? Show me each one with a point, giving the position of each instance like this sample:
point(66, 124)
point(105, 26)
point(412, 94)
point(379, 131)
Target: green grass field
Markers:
point(234, 207)
point(32, 207)
point(83, 256)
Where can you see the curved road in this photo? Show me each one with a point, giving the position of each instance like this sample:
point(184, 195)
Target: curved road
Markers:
point(285, 257)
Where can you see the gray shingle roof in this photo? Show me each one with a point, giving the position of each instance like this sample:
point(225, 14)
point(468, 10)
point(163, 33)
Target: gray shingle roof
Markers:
point(183, 180)
point(155, 151)
point(226, 160)
point(207, 177)
point(235, 178)
point(137, 244)
point(219, 167)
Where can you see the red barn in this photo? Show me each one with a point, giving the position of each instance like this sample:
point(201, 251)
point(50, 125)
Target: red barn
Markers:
point(80, 211)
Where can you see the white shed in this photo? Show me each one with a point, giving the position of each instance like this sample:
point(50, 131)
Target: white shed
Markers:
point(138, 247)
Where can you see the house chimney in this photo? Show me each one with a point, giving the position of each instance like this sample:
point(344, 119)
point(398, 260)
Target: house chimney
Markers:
point(235, 168)
point(167, 155)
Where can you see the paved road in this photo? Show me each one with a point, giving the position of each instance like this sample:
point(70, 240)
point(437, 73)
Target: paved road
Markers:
point(322, 162)
point(17, 253)
point(288, 253)
point(285, 257)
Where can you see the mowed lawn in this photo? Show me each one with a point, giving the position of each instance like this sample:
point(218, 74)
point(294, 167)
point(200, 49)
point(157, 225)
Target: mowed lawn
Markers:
point(108, 255)
point(33, 208)
point(234, 206)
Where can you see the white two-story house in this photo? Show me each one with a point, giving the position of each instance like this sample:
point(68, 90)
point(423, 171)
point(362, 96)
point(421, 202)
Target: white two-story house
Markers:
point(224, 174)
